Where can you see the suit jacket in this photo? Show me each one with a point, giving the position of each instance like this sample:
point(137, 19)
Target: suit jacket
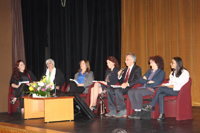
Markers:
point(133, 77)
point(158, 78)
point(89, 77)
point(59, 78)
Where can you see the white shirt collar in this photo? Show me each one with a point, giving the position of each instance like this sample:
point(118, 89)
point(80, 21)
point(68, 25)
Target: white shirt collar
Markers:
point(131, 67)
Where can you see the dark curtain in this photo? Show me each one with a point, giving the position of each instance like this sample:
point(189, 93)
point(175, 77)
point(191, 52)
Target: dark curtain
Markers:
point(83, 29)
point(34, 16)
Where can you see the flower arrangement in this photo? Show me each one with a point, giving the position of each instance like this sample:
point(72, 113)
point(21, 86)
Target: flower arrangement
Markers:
point(41, 88)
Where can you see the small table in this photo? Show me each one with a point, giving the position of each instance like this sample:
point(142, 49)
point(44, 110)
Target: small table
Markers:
point(51, 108)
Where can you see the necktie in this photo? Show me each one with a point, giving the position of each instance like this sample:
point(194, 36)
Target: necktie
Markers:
point(127, 75)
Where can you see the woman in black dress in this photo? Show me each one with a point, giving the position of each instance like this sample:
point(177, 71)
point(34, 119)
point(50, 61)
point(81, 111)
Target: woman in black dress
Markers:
point(111, 78)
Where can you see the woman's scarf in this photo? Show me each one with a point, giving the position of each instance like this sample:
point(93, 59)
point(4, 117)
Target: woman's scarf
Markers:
point(53, 74)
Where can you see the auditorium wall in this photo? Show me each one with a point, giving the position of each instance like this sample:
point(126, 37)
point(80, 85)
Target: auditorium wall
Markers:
point(163, 27)
point(5, 52)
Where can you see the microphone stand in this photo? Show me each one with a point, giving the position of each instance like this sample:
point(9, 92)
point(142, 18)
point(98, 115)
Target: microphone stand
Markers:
point(55, 88)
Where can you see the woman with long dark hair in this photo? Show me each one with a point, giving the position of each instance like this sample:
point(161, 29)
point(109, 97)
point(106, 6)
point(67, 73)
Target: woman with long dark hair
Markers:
point(20, 80)
point(111, 78)
point(178, 78)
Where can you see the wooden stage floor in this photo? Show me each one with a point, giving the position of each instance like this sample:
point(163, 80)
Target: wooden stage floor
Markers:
point(101, 124)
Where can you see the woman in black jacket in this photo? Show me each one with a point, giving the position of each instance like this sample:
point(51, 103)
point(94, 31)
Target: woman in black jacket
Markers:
point(111, 78)
point(54, 75)
point(20, 80)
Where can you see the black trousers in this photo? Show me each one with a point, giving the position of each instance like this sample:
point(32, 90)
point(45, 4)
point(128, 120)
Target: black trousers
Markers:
point(75, 88)
point(118, 93)
point(19, 93)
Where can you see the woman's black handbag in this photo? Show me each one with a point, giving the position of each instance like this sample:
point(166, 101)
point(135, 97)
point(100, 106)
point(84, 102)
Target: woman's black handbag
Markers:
point(145, 115)
point(102, 108)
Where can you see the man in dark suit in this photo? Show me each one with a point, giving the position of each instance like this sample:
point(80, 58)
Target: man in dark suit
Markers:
point(127, 78)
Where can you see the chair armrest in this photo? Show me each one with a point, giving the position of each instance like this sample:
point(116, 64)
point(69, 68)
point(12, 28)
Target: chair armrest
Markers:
point(63, 87)
point(10, 90)
point(184, 96)
point(67, 88)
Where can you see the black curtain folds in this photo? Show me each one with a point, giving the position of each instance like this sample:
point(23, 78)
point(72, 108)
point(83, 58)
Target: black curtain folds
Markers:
point(83, 29)
point(34, 16)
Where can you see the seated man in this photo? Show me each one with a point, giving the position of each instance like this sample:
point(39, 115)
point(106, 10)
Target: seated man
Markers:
point(127, 78)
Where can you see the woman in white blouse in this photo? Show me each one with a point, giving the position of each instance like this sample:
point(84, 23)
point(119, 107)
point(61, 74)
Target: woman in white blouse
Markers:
point(178, 77)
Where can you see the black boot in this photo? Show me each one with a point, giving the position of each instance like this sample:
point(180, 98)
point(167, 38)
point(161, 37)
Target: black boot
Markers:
point(131, 116)
point(161, 117)
point(137, 115)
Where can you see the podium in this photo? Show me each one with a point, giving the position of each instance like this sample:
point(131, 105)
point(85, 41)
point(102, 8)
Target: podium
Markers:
point(50, 108)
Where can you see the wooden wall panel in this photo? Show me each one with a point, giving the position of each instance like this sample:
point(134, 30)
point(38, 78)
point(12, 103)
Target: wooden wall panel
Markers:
point(5, 52)
point(163, 27)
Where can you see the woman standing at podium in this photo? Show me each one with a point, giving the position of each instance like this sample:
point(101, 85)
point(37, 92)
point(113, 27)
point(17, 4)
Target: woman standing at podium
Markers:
point(20, 80)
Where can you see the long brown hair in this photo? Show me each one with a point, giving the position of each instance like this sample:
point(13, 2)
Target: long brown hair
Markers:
point(16, 72)
point(114, 60)
point(87, 65)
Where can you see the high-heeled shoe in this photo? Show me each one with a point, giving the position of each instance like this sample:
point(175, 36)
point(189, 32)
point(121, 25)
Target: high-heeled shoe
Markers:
point(161, 117)
point(12, 101)
point(94, 107)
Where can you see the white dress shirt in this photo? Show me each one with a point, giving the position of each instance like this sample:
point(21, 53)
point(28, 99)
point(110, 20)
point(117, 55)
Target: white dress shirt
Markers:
point(178, 82)
point(127, 72)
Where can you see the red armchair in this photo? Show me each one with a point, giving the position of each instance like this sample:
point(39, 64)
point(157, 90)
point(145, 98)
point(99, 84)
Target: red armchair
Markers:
point(63, 87)
point(12, 108)
point(178, 106)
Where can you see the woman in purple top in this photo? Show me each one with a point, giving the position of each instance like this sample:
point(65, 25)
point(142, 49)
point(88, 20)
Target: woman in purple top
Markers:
point(152, 78)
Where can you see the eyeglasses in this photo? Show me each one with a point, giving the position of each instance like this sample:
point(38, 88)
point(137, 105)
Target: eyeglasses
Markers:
point(127, 59)
point(49, 63)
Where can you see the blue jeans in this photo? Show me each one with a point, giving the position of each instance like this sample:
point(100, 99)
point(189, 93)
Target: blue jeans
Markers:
point(161, 93)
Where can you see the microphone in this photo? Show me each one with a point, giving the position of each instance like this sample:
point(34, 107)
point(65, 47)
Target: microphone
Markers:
point(54, 81)
point(121, 72)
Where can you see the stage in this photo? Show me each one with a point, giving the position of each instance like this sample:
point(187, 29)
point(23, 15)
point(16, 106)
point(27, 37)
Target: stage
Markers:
point(100, 124)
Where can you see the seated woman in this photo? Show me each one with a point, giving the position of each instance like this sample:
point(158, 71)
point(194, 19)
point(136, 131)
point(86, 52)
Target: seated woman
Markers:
point(84, 77)
point(20, 75)
point(178, 77)
point(54, 75)
point(152, 78)
point(110, 79)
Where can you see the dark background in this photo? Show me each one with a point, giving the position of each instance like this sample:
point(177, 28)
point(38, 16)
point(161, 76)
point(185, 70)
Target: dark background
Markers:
point(83, 29)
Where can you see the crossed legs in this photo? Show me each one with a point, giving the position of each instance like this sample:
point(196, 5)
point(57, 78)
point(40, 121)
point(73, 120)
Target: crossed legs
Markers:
point(95, 91)
point(19, 94)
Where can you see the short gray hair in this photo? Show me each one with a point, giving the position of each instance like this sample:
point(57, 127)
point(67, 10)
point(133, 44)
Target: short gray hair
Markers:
point(133, 56)
point(51, 60)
